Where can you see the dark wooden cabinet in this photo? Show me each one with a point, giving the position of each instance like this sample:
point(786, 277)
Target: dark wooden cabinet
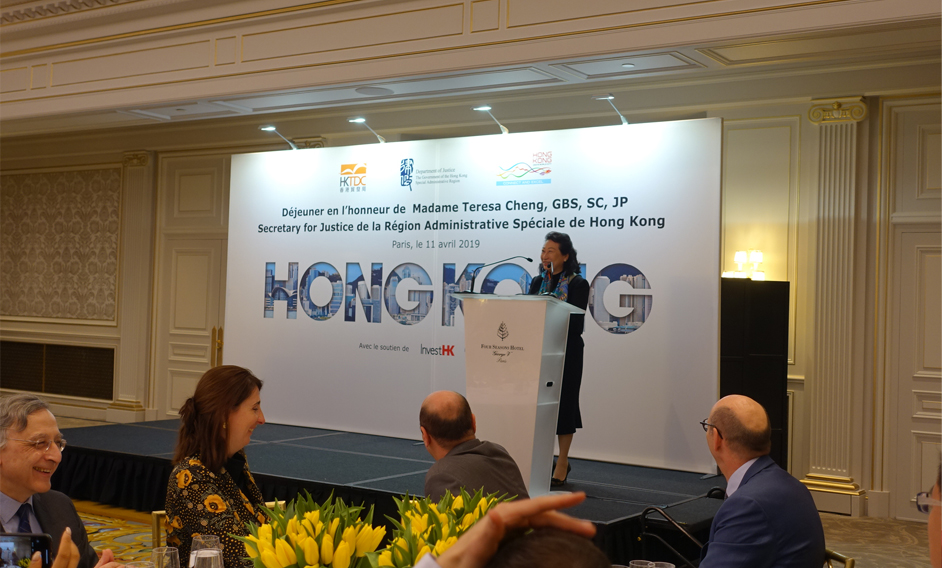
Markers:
point(754, 350)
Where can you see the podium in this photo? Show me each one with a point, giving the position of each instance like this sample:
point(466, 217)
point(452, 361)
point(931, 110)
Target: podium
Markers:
point(515, 347)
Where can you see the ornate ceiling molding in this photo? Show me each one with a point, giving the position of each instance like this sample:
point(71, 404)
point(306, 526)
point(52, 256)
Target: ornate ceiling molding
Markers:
point(50, 9)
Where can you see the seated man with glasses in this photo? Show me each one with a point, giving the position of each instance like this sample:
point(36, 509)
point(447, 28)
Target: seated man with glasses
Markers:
point(769, 519)
point(30, 451)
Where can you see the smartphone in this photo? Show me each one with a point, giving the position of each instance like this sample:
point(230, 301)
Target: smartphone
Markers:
point(16, 549)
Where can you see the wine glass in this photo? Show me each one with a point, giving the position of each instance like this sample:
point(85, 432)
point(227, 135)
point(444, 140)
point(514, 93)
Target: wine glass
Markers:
point(165, 557)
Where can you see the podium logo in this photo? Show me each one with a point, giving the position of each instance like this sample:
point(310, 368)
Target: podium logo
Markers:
point(502, 331)
point(443, 351)
point(352, 177)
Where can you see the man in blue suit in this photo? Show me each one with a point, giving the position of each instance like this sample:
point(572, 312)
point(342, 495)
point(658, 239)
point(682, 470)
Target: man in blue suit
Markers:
point(769, 519)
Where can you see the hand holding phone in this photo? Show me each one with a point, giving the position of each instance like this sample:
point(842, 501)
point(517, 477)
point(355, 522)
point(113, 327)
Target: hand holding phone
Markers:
point(68, 556)
point(17, 549)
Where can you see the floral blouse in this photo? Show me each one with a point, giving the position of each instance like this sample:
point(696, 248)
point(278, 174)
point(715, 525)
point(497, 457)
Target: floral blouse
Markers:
point(202, 502)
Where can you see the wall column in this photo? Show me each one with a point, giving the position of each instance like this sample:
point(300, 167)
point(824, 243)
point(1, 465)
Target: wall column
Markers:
point(134, 292)
point(830, 478)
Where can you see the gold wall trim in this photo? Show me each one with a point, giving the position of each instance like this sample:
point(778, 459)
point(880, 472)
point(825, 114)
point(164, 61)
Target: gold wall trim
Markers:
point(228, 19)
point(832, 484)
point(136, 159)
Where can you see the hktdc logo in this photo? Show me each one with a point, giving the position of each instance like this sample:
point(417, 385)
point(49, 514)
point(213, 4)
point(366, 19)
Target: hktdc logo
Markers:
point(352, 177)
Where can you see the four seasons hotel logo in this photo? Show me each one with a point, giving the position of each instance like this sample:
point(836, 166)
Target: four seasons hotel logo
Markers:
point(352, 177)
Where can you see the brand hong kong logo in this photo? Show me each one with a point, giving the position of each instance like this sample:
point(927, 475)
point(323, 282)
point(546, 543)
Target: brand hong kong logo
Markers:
point(352, 177)
point(543, 158)
point(405, 173)
point(443, 351)
point(533, 172)
point(502, 331)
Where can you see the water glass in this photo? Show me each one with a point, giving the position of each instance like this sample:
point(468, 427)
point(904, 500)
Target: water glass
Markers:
point(656, 565)
point(165, 557)
point(208, 558)
point(641, 564)
point(142, 564)
point(203, 542)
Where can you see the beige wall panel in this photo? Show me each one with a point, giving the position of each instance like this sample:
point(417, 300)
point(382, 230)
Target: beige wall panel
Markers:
point(813, 48)
point(226, 51)
point(39, 77)
point(193, 195)
point(350, 34)
point(929, 311)
point(197, 192)
point(485, 15)
point(531, 12)
point(190, 301)
point(915, 170)
point(13, 80)
point(188, 352)
point(930, 162)
point(132, 64)
point(182, 386)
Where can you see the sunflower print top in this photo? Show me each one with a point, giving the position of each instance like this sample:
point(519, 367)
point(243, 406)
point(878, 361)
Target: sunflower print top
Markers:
point(202, 502)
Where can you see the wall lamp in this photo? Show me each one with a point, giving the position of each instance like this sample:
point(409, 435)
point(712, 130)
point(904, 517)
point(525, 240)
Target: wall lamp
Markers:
point(487, 109)
point(361, 120)
point(610, 97)
point(271, 128)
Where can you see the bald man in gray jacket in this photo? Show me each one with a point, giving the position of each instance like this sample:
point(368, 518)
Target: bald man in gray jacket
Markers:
point(461, 460)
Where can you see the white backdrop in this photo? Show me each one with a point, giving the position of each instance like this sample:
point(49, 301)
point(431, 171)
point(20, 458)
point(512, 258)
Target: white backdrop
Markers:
point(409, 219)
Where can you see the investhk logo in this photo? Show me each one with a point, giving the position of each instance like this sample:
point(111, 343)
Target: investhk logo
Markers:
point(405, 173)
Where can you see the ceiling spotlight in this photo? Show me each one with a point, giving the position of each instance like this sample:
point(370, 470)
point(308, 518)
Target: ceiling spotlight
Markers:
point(271, 128)
point(361, 120)
point(609, 97)
point(487, 109)
point(628, 65)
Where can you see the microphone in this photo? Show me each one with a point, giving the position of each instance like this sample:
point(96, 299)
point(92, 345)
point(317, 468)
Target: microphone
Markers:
point(474, 274)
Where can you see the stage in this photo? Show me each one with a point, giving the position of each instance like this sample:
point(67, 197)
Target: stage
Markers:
point(128, 465)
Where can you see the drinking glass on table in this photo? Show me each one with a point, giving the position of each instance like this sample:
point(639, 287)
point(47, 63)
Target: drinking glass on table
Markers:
point(208, 558)
point(141, 564)
point(165, 557)
point(205, 542)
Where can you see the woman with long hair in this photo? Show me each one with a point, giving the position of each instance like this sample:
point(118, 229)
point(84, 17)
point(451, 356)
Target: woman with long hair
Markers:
point(211, 491)
point(560, 276)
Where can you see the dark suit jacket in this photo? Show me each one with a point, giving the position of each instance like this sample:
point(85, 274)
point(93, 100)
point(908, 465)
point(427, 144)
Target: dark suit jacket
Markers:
point(55, 511)
point(475, 464)
point(769, 522)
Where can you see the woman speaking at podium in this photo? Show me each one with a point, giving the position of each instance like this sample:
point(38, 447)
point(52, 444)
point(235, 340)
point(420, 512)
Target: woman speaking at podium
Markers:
point(559, 276)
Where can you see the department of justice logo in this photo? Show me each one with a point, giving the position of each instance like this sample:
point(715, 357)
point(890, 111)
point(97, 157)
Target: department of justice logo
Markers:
point(405, 173)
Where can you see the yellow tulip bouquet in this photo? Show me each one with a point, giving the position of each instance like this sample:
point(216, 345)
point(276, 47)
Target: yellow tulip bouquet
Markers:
point(425, 527)
point(308, 535)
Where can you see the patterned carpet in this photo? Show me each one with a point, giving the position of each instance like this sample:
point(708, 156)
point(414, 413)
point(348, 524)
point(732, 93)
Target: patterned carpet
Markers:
point(128, 537)
point(878, 543)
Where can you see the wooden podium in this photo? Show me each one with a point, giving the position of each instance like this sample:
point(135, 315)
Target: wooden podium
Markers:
point(514, 352)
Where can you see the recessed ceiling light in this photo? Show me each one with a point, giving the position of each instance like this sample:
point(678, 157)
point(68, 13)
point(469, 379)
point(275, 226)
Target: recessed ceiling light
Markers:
point(373, 91)
point(628, 65)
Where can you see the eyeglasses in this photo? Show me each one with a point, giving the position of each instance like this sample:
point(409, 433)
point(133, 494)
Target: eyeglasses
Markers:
point(924, 501)
point(42, 445)
point(706, 427)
